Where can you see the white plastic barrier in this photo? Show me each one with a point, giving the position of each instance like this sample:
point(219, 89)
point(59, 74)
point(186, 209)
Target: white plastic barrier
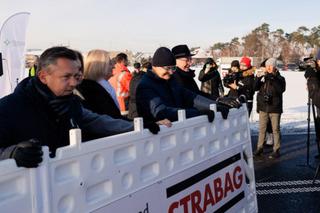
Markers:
point(194, 166)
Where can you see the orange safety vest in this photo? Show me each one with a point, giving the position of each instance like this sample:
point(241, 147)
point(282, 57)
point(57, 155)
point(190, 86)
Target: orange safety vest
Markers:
point(120, 82)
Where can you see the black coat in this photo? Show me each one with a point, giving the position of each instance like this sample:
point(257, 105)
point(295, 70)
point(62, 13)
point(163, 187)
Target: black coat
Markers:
point(313, 81)
point(25, 114)
point(97, 99)
point(158, 99)
point(245, 87)
point(211, 82)
point(186, 80)
point(270, 87)
point(29, 113)
point(132, 94)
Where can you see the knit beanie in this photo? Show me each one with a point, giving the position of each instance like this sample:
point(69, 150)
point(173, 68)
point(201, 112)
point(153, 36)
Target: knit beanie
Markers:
point(163, 57)
point(271, 62)
point(246, 61)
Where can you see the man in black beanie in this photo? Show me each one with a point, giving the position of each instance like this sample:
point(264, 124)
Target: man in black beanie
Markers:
point(160, 97)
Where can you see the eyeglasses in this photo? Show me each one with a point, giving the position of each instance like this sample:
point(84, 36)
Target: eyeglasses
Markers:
point(170, 68)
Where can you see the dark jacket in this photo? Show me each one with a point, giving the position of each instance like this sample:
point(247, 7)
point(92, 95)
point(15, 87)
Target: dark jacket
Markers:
point(270, 87)
point(313, 81)
point(245, 84)
point(186, 79)
point(32, 111)
point(211, 82)
point(132, 94)
point(158, 99)
point(97, 99)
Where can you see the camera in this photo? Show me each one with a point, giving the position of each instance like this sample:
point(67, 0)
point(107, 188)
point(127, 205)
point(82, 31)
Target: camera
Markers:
point(231, 77)
point(267, 98)
point(307, 63)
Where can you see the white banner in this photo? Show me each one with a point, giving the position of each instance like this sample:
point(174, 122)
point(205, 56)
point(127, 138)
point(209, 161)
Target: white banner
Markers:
point(12, 47)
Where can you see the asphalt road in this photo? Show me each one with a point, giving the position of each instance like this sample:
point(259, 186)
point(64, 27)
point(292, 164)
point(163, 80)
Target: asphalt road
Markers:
point(285, 184)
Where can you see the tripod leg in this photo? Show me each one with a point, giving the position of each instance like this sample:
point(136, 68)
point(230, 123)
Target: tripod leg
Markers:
point(316, 174)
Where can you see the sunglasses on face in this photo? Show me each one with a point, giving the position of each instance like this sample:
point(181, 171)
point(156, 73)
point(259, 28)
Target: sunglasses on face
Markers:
point(170, 68)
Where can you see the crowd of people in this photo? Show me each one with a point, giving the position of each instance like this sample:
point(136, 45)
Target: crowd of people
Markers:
point(101, 96)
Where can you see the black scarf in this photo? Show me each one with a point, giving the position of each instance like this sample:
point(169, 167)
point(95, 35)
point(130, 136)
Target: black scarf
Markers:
point(63, 107)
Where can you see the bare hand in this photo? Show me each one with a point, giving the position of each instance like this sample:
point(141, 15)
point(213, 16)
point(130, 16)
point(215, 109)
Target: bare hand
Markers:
point(164, 122)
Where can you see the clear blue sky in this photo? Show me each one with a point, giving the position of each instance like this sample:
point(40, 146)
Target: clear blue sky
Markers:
point(142, 25)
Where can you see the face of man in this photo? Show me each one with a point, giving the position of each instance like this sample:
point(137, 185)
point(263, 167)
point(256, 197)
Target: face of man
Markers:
point(62, 77)
point(184, 63)
point(269, 69)
point(164, 72)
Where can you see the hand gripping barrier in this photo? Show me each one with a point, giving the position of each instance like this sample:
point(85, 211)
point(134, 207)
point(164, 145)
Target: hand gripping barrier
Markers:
point(194, 166)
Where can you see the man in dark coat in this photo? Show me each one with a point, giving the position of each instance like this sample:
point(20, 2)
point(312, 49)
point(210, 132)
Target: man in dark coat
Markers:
point(133, 89)
point(160, 97)
point(313, 79)
point(211, 83)
point(271, 86)
point(43, 109)
point(183, 74)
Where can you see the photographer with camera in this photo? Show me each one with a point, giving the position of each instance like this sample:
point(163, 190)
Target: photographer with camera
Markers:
point(271, 85)
point(240, 80)
point(312, 75)
point(211, 83)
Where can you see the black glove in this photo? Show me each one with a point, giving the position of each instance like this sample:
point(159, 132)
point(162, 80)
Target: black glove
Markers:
point(229, 102)
point(28, 153)
point(242, 99)
point(152, 126)
point(209, 114)
point(224, 110)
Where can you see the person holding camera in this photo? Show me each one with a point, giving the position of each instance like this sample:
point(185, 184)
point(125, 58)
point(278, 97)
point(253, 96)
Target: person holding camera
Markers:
point(271, 85)
point(211, 83)
point(241, 81)
point(312, 75)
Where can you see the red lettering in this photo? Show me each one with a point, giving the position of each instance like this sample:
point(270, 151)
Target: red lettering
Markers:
point(173, 206)
point(227, 184)
point(184, 202)
point(208, 198)
point(237, 179)
point(195, 202)
point(218, 191)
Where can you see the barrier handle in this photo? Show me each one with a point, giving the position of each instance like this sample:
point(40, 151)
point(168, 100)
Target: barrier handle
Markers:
point(138, 124)
point(182, 115)
point(75, 137)
point(213, 107)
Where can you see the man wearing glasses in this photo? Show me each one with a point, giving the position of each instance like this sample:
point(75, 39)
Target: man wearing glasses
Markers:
point(159, 96)
point(183, 74)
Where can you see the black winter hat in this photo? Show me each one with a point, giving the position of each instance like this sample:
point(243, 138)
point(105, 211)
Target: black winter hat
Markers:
point(235, 63)
point(209, 61)
point(181, 51)
point(163, 57)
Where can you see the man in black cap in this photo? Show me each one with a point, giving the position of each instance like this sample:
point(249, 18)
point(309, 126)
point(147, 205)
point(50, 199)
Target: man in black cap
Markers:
point(183, 74)
point(160, 97)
